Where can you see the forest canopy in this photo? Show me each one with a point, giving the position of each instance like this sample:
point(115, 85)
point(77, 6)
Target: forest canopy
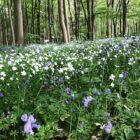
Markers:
point(36, 21)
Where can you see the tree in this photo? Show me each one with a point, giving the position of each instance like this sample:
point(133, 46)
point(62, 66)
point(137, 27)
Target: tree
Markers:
point(11, 22)
point(124, 2)
point(62, 21)
point(19, 34)
point(90, 20)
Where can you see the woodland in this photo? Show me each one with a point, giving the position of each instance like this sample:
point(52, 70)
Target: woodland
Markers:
point(37, 21)
point(69, 69)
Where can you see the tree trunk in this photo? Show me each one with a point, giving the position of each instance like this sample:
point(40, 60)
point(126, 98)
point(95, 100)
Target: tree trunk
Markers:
point(49, 21)
point(90, 6)
point(62, 21)
point(124, 16)
point(66, 19)
point(107, 19)
point(18, 22)
point(38, 19)
point(71, 17)
point(77, 16)
point(11, 22)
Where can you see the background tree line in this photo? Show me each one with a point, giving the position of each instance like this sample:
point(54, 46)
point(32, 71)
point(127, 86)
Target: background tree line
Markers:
point(36, 21)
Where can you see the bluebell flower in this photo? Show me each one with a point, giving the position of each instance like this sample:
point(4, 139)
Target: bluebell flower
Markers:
point(36, 126)
point(68, 90)
point(8, 114)
point(87, 100)
point(118, 47)
point(32, 119)
point(24, 118)
point(26, 81)
point(1, 94)
point(28, 128)
point(66, 101)
point(96, 92)
point(108, 127)
point(30, 124)
point(125, 74)
point(60, 80)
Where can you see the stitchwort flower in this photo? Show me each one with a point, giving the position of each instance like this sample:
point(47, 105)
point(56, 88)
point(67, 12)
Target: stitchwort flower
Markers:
point(47, 65)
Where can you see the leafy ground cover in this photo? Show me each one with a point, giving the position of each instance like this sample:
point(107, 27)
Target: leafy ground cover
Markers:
point(77, 91)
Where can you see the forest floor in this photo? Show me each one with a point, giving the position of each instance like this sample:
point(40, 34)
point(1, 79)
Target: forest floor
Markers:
point(76, 91)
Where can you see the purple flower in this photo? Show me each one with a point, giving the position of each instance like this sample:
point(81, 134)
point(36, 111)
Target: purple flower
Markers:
point(1, 94)
point(28, 128)
point(32, 119)
point(66, 101)
point(30, 124)
point(60, 80)
point(108, 127)
point(96, 92)
point(36, 126)
point(26, 81)
point(118, 47)
point(68, 91)
point(8, 114)
point(125, 74)
point(87, 100)
point(24, 118)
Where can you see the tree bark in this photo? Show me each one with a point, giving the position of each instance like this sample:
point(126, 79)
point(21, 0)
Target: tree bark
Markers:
point(11, 22)
point(66, 19)
point(90, 7)
point(38, 18)
point(62, 21)
point(124, 16)
point(18, 22)
point(77, 16)
point(107, 19)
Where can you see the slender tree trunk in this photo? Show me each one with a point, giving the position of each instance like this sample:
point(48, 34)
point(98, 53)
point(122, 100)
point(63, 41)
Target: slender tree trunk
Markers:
point(115, 27)
point(49, 21)
point(90, 6)
point(11, 22)
point(26, 19)
point(124, 16)
point(77, 16)
point(66, 19)
point(62, 20)
point(33, 16)
point(38, 19)
point(107, 19)
point(18, 22)
point(0, 30)
point(71, 17)
point(4, 24)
